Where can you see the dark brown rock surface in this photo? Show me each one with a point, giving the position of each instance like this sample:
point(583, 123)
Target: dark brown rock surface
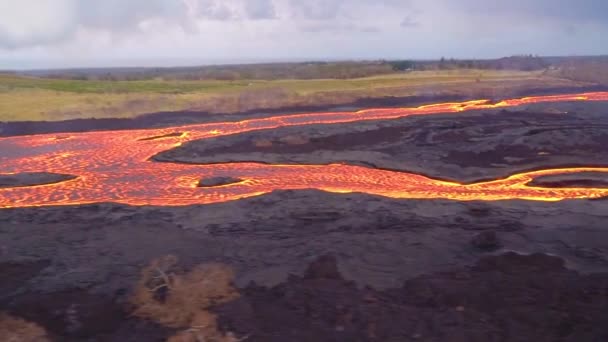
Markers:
point(31, 179)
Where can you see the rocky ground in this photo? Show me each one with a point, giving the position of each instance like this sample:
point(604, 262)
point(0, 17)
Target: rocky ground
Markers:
point(505, 298)
point(382, 269)
point(465, 147)
point(580, 180)
point(32, 179)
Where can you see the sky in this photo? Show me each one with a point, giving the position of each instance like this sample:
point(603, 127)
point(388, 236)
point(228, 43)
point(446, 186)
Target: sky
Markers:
point(103, 33)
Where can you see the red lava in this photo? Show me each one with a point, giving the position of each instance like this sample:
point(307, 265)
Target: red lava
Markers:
point(114, 166)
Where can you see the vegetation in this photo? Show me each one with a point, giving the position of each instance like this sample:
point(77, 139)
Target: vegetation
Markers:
point(182, 300)
point(402, 65)
point(18, 330)
point(128, 92)
point(583, 69)
point(292, 71)
point(274, 71)
point(24, 98)
point(521, 63)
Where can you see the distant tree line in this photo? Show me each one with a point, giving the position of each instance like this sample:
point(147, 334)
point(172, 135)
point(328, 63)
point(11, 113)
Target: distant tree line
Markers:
point(308, 70)
point(586, 69)
point(521, 63)
point(402, 65)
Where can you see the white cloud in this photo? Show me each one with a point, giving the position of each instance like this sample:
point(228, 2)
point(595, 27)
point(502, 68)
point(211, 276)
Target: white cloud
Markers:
point(260, 9)
point(26, 23)
point(73, 32)
point(31, 22)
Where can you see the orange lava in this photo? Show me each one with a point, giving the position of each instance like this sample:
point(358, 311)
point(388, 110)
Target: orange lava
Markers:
point(114, 166)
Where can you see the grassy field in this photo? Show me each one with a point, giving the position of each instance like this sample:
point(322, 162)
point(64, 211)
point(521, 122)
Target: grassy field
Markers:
point(29, 98)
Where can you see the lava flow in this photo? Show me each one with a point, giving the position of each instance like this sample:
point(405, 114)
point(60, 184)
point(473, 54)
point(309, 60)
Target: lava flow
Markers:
point(115, 166)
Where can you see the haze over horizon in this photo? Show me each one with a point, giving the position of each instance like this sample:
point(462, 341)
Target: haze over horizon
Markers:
point(78, 33)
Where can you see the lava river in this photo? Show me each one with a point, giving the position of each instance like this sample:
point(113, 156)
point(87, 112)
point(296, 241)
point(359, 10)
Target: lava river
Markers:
point(115, 166)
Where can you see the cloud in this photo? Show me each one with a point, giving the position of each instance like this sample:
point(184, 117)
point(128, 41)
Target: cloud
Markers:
point(339, 28)
point(321, 10)
point(342, 16)
point(213, 10)
point(30, 22)
point(120, 15)
point(409, 21)
point(580, 10)
point(26, 23)
point(220, 29)
point(260, 9)
point(315, 9)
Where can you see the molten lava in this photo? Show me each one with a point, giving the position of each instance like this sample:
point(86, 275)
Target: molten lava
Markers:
point(115, 166)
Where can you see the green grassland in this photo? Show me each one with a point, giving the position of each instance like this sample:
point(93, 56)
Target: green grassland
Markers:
point(30, 98)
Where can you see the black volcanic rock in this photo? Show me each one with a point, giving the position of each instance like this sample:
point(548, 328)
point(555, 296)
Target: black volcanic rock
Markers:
point(467, 148)
point(217, 181)
point(486, 240)
point(325, 267)
point(31, 179)
point(576, 180)
point(482, 303)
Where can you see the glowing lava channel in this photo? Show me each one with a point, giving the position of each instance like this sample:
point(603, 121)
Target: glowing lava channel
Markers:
point(114, 166)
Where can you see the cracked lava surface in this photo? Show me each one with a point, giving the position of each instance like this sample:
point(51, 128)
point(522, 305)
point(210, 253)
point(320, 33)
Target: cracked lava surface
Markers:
point(115, 166)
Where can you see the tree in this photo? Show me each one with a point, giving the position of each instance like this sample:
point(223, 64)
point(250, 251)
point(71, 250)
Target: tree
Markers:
point(442, 63)
point(402, 65)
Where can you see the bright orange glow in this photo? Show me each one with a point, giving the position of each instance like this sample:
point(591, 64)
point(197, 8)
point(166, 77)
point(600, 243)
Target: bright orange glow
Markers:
point(114, 166)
